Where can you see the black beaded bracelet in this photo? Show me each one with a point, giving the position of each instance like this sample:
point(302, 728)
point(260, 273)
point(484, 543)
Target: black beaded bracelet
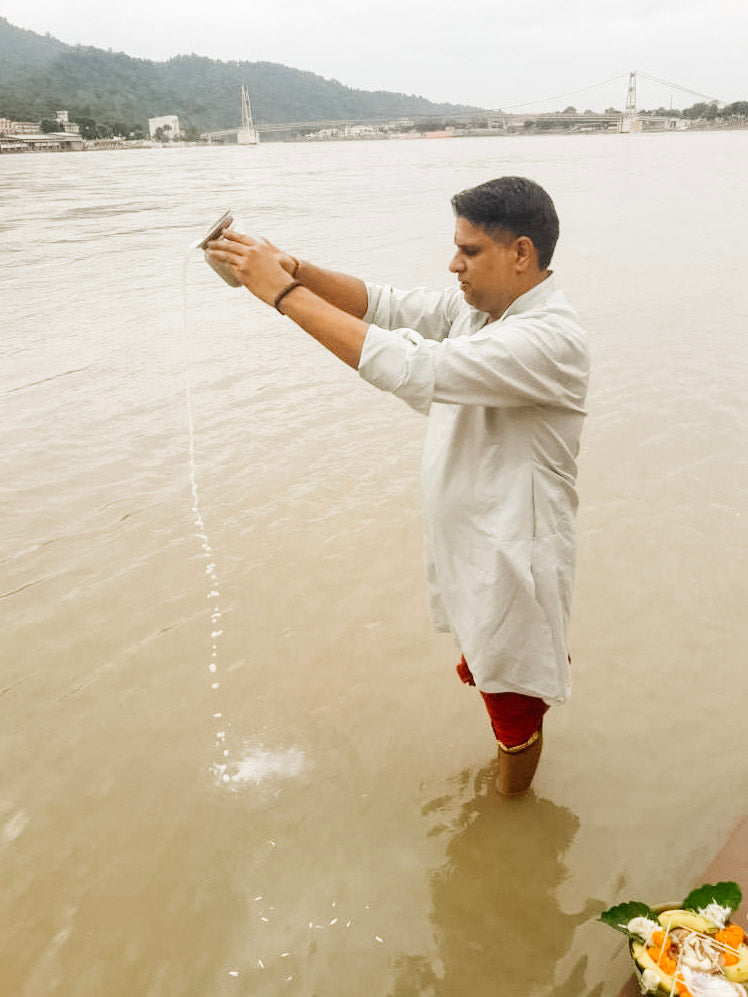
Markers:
point(284, 292)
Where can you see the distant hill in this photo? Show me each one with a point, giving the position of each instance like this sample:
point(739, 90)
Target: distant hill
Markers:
point(39, 75)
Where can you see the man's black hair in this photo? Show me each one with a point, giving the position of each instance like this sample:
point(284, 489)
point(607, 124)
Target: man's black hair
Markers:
point(515, 205)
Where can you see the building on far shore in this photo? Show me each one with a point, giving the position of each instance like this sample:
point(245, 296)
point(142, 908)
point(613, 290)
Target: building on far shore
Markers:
point(10, 127)
point(167, 124)
point(28, 136)
point(67, 126)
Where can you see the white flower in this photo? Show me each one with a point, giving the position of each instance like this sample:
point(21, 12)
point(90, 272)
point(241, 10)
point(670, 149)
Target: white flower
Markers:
point(700, 952)
point(644, 927)
point(716, 913)
point(706, 985)
point(650, 981)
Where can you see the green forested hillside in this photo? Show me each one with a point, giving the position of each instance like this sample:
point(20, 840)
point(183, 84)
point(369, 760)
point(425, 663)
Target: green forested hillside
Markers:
point(39, 75)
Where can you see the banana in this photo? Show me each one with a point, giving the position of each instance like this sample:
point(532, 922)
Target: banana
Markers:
point(670, 919)
point(739, 972)
point(644, 959)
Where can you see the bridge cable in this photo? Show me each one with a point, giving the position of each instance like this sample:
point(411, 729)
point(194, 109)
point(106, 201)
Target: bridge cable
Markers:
point(677, 86)
point(569, 93)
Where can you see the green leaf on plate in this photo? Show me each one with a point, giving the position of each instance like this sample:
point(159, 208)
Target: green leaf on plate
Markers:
point(620, 915)
point(725, 894)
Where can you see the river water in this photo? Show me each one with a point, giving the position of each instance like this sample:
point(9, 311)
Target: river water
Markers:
point(360, 848)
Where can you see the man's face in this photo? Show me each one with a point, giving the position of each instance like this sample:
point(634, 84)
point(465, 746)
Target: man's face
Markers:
point(485, 268)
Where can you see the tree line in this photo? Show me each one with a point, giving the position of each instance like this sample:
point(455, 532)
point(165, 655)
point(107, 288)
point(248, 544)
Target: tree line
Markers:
point(700, 111)
point(109, 93)
point(39, 75)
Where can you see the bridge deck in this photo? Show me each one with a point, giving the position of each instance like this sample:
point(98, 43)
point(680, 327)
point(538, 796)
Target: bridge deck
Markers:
point(423, 122)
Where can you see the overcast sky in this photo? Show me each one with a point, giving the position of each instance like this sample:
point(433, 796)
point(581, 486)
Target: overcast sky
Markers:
point(491, 53)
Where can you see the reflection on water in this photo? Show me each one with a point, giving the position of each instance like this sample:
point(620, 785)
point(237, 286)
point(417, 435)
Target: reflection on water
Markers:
point(498, 926)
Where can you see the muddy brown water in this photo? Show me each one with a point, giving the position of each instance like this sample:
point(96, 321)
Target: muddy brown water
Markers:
point(364, 851)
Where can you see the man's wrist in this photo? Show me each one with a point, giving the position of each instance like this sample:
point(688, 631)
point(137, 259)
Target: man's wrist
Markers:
point(282, 294)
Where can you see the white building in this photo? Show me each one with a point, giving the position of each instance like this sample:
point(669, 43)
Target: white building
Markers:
point(168, 123)
point(20, 127)
point(66, 125)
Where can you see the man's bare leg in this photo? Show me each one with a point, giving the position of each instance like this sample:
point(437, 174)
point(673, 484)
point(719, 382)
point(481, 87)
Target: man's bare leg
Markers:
point(517, 765)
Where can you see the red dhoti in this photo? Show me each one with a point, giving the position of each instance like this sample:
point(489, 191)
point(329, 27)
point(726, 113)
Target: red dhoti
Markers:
point(514, 716)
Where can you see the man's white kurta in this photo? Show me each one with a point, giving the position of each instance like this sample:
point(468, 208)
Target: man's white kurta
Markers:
point(505, 403)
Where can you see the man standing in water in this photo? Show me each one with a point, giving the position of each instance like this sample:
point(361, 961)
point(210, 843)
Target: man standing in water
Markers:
point(500, 366)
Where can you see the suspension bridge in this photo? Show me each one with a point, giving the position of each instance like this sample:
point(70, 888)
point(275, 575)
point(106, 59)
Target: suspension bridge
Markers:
point(627, 120)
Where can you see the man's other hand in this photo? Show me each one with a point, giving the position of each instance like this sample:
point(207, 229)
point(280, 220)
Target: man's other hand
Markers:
point(259, 265)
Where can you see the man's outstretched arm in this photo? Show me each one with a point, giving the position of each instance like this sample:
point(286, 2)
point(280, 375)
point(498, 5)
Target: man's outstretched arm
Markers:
point(339, 289)
point(327, 305)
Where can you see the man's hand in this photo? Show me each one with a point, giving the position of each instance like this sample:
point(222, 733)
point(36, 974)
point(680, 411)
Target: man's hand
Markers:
point(332, 316)
point(288, 262)
point(260, 266)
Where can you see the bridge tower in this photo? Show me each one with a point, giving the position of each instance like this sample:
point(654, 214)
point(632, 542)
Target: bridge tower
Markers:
point(630, 122)
point(247, 134)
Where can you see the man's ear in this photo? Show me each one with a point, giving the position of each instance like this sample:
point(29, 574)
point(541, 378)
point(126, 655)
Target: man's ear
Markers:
point(526, 253)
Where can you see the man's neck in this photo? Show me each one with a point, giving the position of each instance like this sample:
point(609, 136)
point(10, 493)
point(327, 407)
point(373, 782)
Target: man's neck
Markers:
point(522, 288)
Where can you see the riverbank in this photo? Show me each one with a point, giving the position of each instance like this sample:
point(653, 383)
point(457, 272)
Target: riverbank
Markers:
point(334, 135)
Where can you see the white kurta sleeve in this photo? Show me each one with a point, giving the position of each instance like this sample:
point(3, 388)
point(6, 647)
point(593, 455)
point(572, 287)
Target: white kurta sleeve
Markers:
point(431, 313)
point(522, 360)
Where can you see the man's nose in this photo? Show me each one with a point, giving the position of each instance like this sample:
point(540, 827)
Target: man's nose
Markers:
point(455, 264)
